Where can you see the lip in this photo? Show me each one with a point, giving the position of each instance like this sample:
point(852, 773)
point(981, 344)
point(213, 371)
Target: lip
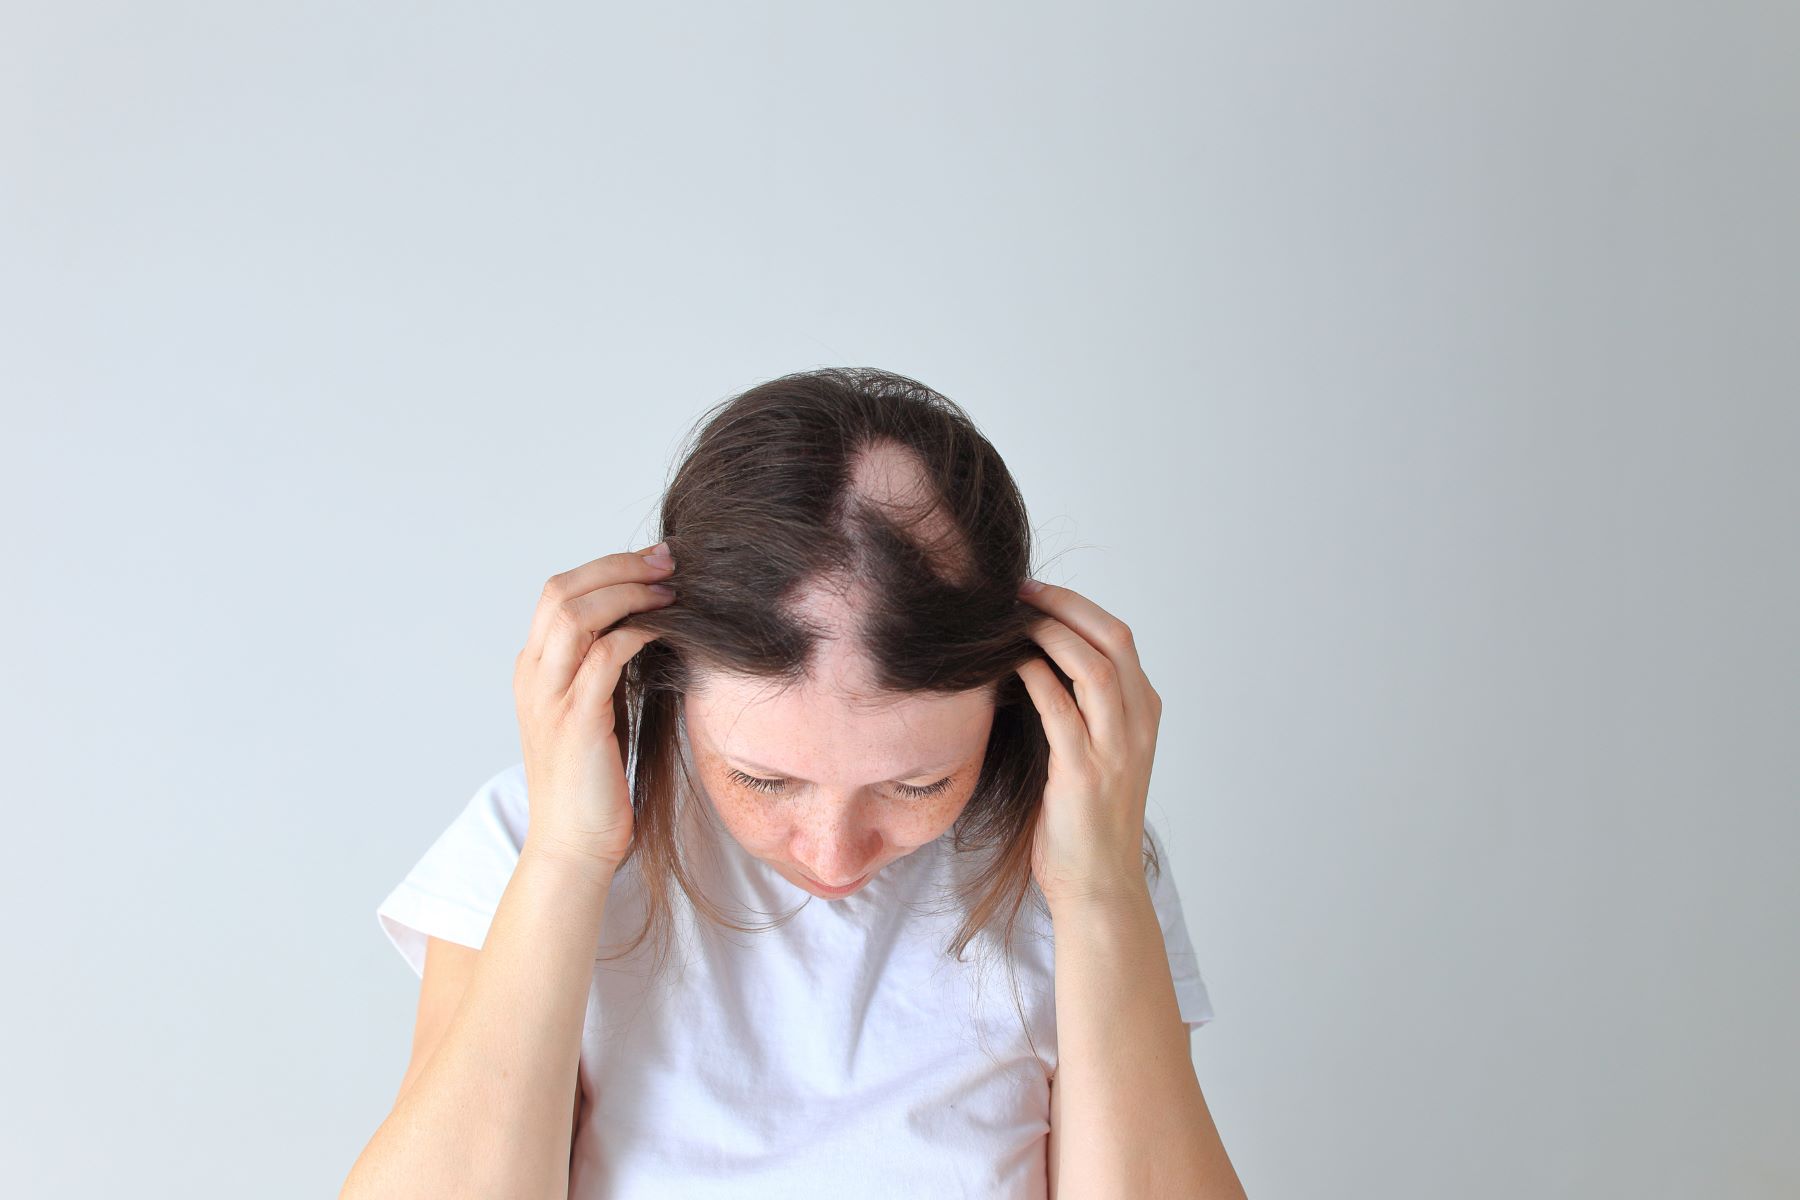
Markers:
point(834, 893)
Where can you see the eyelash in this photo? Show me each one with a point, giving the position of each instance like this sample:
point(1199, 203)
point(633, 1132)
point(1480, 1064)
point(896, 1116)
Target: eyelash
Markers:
point(775, 785)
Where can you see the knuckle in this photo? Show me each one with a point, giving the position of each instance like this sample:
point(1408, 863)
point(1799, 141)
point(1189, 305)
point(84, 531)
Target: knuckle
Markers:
point(600, 655)
point(567, 614)
point(1105, 674)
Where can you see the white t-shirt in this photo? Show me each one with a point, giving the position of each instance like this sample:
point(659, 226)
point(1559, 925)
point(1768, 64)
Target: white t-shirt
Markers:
point(840, 1054)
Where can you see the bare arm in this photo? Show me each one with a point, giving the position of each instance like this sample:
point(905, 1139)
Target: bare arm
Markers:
point(488, 1112)
point(1127, 1117)
point(485, 1110)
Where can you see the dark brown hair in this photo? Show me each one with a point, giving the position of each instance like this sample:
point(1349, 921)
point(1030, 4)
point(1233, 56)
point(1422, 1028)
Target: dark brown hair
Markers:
point(764, 505)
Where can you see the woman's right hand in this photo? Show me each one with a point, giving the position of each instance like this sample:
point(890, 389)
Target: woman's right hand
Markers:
point(563, 685)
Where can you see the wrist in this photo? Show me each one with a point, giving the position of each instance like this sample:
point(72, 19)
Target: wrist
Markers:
point(563, 855)
point(1099, 896)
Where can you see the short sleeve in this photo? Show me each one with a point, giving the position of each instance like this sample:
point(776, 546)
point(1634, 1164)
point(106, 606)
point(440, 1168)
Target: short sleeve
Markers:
point(1190, 989)
point(455, 889)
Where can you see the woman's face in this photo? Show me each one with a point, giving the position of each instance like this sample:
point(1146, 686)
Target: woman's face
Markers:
point(848, 788)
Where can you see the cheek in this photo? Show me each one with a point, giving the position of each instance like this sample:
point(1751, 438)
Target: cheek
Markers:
point(753, 820)
point(931, 815)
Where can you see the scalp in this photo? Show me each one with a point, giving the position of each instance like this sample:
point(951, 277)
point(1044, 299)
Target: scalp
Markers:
point(888, 486)
point(888, 479)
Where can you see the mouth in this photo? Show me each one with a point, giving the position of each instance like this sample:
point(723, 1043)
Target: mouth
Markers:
point(831, 891)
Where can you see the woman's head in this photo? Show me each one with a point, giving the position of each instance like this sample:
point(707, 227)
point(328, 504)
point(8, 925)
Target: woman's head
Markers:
point(848, 548)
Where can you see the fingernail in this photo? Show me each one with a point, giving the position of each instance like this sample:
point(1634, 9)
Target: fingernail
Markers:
point(1029, 586)
point(659, 556)
point(663, 589)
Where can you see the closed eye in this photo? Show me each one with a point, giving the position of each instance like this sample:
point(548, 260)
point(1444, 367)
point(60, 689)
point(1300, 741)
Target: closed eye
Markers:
point(930, 789)
point(751, 781)
point(775, 785)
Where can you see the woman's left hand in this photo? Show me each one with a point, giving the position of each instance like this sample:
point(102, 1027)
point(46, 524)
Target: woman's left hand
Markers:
point(1090, 832)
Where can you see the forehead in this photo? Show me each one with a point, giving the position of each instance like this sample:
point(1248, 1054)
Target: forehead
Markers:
point(816, 731)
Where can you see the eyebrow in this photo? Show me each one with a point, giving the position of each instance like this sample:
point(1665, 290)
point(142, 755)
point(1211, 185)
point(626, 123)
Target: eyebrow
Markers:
point(747, 765)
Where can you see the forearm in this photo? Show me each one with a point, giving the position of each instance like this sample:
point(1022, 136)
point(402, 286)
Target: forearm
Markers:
point(1131, 1117)
point(488, 1114)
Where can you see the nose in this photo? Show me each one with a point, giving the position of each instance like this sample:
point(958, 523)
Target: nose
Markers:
point(839, 860)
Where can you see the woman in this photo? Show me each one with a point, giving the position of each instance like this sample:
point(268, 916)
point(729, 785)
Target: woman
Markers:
point(824, 684)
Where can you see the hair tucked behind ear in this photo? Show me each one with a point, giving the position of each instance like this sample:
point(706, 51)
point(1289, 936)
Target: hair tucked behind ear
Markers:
point(873, 486)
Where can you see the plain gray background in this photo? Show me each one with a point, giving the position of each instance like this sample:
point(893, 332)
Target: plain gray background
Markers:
point(1418, 380)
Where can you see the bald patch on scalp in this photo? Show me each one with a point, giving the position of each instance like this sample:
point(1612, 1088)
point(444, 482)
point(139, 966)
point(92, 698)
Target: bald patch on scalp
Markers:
point(890, 478)
point(887, 480)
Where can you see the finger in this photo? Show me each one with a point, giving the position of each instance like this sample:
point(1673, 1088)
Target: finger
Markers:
point(1063, 725)
point(598, 675)
point(628, 567)
point(578, 621)
point(1096, 679)
point(1107, 632)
